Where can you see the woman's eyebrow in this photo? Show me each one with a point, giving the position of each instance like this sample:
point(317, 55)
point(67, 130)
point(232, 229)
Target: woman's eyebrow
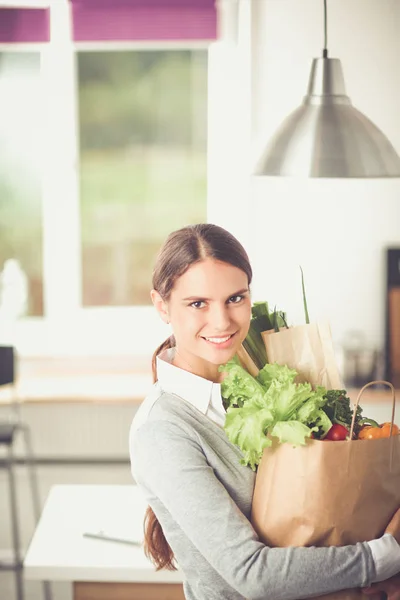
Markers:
point(201, 298)
point(239, 293)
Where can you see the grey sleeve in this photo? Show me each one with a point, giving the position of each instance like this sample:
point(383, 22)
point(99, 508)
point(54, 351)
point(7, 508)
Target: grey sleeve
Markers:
point(172, 466)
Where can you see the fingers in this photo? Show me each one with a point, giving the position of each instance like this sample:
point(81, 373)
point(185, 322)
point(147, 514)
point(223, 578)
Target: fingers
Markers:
point(394, 526)
point(389, 589)
point(374, 592)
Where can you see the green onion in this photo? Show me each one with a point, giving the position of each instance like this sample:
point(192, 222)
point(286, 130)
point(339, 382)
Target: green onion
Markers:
point(262, 320)
point(254, 343)
point(304, 298)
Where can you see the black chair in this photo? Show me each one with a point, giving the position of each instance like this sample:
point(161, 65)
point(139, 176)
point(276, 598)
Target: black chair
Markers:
point(8, 434)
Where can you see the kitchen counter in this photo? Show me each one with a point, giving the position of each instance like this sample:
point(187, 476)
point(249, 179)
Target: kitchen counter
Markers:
point(61, 550)
point(103, 380)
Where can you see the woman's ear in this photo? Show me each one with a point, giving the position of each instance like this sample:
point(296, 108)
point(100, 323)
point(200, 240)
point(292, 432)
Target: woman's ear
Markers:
point(160, 305)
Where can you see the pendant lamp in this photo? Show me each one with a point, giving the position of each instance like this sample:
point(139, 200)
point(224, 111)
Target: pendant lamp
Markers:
point(326, 136)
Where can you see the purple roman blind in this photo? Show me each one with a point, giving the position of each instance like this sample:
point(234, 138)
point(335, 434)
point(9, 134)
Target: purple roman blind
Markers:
point(130, 20)
point(18, 25)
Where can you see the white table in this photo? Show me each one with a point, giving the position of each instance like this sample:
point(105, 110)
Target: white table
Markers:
point(98, 569)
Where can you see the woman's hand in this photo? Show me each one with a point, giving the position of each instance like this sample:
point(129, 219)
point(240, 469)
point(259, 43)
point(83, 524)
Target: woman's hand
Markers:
point(391, 587)
point(394, 526)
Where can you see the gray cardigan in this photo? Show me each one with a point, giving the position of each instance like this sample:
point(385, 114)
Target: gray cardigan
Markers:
point(191, 477)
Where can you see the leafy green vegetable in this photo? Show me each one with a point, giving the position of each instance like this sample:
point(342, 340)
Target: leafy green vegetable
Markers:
point(293, 432)
point(269, 405)
point(312, 413)
point(288, 397)
point(239, 385)
point(275, 372)
point(246, 428)
point(321, 425)
point(337, 407)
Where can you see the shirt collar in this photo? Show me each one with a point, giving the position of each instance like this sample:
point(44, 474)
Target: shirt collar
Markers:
point(192, 388)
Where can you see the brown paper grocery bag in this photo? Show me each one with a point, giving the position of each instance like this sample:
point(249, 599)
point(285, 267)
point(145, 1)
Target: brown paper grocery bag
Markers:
point(309, 350)
point(327, 494)
point(247, 362)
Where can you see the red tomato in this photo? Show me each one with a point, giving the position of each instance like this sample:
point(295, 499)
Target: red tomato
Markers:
point(337, 433)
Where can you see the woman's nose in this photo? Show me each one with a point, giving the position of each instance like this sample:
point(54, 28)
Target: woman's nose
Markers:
point(220, 320)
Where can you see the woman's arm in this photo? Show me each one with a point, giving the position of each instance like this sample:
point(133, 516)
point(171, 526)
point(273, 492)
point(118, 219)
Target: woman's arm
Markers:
point(173, 468)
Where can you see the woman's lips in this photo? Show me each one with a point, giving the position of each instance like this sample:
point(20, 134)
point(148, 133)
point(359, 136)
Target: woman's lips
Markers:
point(220, 342)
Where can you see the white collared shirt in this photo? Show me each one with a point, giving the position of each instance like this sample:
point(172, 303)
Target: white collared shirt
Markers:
point(201, 393)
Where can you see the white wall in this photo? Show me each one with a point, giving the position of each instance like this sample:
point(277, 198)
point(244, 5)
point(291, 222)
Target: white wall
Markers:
point(336, 229)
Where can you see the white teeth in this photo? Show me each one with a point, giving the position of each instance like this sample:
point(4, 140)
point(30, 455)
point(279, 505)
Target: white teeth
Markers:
point(218, 340)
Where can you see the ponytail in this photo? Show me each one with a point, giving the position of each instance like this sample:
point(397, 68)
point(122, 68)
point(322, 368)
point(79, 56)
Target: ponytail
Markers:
point(169, 343)
point(156, 547)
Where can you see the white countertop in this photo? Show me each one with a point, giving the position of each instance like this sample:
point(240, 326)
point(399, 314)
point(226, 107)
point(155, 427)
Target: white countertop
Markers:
point(59, 551)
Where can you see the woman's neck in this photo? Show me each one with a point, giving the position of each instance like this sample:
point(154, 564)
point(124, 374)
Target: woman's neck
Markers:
point(197, 366)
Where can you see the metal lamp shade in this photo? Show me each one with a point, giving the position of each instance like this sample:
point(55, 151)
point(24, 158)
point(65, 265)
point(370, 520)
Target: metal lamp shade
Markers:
point(326, 136)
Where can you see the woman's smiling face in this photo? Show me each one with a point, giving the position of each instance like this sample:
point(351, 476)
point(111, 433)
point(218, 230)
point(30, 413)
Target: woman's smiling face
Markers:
point(209, 310)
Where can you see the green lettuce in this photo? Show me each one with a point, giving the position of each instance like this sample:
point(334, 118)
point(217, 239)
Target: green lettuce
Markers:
point(288, 397)
point(322, 423)
point(313, 414)
point(275, 372)
point(239, 385)
point(246, 427)
point(292, 432)
point(270, 405)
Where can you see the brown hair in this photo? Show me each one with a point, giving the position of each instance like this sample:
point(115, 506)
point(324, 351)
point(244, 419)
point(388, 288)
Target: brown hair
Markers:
point(183, 248)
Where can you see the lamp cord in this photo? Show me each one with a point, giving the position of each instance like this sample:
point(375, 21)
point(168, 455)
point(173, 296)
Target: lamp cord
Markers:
point(325, 50)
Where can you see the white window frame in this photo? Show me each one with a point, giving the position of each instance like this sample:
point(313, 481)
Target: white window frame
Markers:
point(68, 329)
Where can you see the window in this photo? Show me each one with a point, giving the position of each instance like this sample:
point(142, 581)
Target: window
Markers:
point(113, 154)
point(20, 170)
point(143, 135)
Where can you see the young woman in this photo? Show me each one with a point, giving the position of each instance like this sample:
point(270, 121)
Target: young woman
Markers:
point(198, 493)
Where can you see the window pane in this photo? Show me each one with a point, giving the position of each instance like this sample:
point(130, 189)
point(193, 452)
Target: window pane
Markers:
point(143, 134)
point(20, 172)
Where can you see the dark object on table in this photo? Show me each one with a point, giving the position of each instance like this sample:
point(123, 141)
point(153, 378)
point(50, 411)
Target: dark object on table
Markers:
point(393, 317)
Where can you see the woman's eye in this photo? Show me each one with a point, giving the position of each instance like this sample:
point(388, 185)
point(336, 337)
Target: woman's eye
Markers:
point(198, 304)
point(235, 299)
